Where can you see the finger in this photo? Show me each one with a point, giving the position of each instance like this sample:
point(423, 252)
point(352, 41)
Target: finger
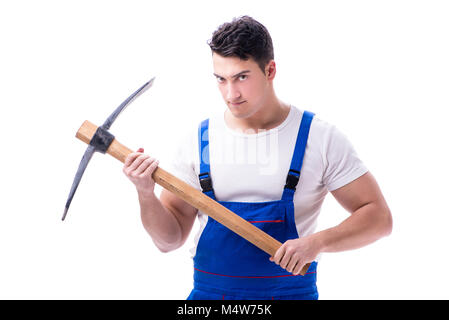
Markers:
point(285, 259)
point(278, 255)
point(130, 158)
point(292, 263)
point(138, 161)
point(144, 165)
point(298, 268)
point(287, 255)
point(149, 171)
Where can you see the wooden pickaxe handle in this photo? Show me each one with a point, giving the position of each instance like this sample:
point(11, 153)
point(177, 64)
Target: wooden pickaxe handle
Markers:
point(194, 197)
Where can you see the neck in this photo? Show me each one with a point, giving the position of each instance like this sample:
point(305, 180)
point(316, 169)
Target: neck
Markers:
point(269, 116)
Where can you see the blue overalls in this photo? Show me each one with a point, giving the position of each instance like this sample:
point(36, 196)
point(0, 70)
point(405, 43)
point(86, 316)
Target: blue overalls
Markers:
point(226, 266)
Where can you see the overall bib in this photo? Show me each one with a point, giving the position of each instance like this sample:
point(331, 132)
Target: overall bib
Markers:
point(226, 266)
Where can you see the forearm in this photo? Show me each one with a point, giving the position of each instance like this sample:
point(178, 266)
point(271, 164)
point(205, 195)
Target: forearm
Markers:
point(366, 225)
point(160, 223)
point(370, 220)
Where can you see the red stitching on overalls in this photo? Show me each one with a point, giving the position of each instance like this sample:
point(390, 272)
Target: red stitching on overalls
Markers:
point(252, 277)
point(272, 221)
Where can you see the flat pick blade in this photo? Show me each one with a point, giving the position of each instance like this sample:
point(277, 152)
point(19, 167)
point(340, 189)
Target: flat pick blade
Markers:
point(79, 173)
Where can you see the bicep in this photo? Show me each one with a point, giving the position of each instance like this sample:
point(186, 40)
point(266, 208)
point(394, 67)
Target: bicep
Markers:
point(183, 212)
point(362, 191)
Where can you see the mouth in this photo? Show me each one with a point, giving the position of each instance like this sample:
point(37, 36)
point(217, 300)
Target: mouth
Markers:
point(236, 104)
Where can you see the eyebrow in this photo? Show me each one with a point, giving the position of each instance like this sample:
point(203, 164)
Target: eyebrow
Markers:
point(235, 75)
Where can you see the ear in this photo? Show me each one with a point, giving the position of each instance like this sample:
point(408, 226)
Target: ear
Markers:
point(270, 70)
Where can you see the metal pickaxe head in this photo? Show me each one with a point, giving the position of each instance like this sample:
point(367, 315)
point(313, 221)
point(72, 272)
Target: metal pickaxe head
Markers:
point(101, 141)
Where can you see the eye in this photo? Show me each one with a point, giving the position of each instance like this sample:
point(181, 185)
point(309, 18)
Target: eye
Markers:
point(220, 79)
point(243, 77)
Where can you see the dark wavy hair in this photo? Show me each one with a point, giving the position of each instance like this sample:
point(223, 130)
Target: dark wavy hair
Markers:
point(244, 38)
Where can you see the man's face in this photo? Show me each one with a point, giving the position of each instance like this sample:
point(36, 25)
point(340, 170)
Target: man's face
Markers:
point(242, 84)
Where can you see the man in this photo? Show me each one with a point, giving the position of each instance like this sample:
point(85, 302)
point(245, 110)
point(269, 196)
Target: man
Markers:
point(282, 194)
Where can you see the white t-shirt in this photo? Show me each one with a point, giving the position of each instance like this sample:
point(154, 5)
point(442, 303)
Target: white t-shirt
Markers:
point(253, 166)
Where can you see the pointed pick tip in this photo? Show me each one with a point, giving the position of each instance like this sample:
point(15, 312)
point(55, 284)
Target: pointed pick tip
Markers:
point(65, 213)
point(150, 83)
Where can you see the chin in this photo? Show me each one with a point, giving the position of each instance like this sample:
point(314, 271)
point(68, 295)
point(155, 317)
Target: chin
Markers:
point(240, 113)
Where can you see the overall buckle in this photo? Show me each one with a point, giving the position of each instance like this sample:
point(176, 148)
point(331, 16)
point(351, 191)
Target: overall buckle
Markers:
point(292, 179)
point(206, 182)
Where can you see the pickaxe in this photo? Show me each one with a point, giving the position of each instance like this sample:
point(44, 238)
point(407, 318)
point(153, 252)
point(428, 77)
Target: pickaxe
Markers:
point(99, 139)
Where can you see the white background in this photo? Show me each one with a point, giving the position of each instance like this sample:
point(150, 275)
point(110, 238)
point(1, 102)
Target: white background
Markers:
point(378, 70)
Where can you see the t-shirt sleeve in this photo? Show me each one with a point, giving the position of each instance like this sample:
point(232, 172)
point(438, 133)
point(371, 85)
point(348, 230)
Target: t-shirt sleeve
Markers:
point(342, 164)
point(182, 162)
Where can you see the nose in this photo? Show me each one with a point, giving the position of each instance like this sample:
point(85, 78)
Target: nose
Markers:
point(233, 93)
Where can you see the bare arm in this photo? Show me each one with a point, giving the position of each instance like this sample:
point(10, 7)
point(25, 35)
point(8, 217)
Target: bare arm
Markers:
point(169, 220)
point(370, 220)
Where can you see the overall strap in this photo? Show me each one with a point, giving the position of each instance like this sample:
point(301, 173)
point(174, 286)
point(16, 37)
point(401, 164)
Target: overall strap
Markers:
point(298, 156)
point(203, 144)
